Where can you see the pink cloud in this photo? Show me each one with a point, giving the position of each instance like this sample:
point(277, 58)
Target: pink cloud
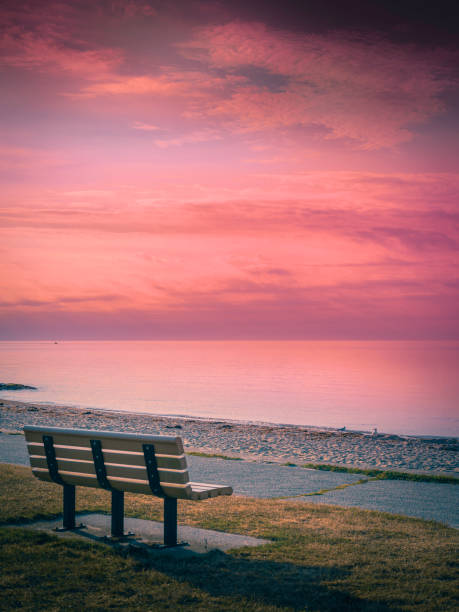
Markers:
point(366, 90)
point(335, 243)
point(370, 92)
point(131, 8)
point(13, 157)
point(194, 85)
point(59, 302)
point(335, 202)
point(294, 317)
point(134, 86)
point(204, 135)
point(43, 51)
point(147, 127)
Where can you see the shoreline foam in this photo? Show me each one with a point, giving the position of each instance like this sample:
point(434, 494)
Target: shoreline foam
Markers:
point(283, 443)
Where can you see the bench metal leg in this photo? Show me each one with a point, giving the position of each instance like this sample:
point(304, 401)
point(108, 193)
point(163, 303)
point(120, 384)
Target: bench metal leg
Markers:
point(117, 513)
point(69, 506)
point(170, 521)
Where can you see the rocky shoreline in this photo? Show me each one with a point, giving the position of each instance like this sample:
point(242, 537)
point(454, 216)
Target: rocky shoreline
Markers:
point(258, 442)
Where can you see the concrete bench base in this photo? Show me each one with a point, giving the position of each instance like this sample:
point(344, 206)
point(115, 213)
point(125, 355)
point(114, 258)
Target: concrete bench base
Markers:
point(146, 534)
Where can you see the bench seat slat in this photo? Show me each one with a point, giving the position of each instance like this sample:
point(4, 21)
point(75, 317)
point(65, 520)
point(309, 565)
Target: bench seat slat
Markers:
point(205, 485)
point(201, 490)
point(122, 471)
point(129, 485)
point(125, 458)
point(163, 445)
point(195, 491)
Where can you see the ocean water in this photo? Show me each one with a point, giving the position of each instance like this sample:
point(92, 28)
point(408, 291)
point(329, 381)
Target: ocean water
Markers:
point(396, 387)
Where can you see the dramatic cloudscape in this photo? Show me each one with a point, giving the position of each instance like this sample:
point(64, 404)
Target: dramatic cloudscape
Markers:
point(229, 169)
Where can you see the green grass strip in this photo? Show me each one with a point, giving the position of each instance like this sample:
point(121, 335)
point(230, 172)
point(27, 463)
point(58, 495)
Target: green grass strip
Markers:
point(322, 491)
point(382, 474)
point(213, 456)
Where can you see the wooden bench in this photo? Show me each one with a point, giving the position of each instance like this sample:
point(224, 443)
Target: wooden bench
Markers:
point(118, 462)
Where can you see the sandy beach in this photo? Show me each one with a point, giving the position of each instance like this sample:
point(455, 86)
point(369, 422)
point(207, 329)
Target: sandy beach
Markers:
point(257, 442)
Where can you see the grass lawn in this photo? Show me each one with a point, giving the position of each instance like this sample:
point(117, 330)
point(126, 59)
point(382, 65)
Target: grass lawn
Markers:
point(321, 558)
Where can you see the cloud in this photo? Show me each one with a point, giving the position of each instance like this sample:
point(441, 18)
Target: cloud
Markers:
point(413, 239)
point(131, 8)
point(246, 77)
point(147, 127)
point(90, 193)
point(46, 51)
point(325, 212)
point(204, 135)
point(195, 85)
point(60, 301)
point(267, 312)
point(366, 89)
point(25, 158)
point(134, 85)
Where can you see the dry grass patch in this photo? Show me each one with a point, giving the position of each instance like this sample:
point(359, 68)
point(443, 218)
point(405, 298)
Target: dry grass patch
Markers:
point(320, 558)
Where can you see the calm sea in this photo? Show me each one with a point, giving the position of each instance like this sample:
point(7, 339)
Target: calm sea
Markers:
point(397, 387)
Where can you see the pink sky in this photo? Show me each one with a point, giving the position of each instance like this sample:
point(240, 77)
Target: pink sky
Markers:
point(217, 170)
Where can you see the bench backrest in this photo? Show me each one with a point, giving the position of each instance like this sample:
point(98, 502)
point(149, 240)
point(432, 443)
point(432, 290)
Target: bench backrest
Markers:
point(78, 452)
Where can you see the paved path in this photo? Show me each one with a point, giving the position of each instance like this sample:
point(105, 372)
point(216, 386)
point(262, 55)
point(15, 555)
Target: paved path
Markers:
point(426, 500)
point(265, 479)
point(431, 501)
